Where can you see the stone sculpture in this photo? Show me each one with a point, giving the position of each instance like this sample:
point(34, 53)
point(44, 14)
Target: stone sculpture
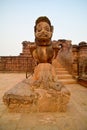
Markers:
point(42, 91)
point(43, 33)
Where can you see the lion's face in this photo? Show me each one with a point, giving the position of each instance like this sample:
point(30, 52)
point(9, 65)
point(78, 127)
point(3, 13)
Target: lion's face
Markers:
point(43, 31)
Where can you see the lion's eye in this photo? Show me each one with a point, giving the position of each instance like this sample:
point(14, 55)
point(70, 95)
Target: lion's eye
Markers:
point(47, 29)
point(39, 28)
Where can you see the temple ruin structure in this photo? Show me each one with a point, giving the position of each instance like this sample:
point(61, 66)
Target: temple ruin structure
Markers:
point(73, 56)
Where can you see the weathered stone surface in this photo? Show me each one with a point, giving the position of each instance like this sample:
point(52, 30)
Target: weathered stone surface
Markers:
point(80, 62)
point(40, 93)
point(19, 98)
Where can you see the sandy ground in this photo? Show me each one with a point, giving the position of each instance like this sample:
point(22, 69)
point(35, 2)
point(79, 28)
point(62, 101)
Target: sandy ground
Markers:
point(75, 118)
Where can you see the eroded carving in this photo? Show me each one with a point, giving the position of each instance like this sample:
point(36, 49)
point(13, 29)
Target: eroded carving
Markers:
point(41, 91)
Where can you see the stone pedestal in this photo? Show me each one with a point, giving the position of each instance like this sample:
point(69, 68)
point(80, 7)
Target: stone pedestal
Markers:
point(42, 92)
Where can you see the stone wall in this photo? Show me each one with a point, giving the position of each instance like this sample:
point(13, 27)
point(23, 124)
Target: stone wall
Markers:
point(22, 63)
point(26, 49)
point(16, 64)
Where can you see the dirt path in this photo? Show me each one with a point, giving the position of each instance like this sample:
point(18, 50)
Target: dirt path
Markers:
point(75, 118)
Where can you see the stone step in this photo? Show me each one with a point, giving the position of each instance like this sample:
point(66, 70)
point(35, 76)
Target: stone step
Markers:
point(68, 81)
point(59, 66)
point(55, 63)
point(64, 76)
point(60, 69)
point(62, 72)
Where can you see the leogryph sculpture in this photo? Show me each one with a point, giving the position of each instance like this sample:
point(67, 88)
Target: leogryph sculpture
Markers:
point(41, 91)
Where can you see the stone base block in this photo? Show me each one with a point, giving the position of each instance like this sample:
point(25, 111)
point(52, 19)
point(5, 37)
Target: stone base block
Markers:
point(22, 99)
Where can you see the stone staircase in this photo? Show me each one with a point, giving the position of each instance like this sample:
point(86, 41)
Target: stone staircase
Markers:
point(63, 75)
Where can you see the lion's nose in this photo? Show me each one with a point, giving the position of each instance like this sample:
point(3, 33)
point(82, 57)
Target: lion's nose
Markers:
point(43, 32)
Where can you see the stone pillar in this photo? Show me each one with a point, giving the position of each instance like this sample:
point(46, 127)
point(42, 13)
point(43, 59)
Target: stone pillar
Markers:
point(82, 59)
point(75, 61)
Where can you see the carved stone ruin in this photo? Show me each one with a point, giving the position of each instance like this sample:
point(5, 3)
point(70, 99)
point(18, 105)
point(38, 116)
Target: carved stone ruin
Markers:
point(41, 92)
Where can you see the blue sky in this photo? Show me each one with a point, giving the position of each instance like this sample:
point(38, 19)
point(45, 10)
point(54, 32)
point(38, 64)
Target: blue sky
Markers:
point(17, 20)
